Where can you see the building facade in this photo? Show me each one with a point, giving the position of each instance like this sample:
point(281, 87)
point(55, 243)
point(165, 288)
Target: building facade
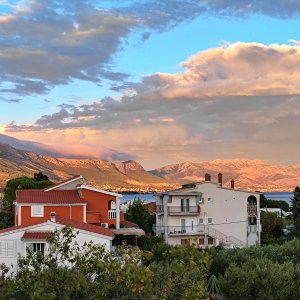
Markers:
point(207, 214)
point(72, 200)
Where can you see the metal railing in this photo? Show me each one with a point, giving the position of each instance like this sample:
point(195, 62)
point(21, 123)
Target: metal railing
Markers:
point(186, 230)
point(112, 214)
point(180, 210)
point(252, 208)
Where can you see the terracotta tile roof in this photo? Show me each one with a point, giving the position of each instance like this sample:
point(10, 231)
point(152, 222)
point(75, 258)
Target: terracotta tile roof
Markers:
point(35, 235)
point(128, 224)
point(151, 207)
point(66, 222)
point(51, 197)
point(84, 226)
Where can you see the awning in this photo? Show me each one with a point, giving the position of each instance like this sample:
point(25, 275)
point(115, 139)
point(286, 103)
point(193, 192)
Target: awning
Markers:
point(35, 235)
point(129, 231)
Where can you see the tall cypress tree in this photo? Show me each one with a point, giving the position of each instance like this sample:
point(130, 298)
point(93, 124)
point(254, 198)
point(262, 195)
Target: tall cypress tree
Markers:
point(295, 208)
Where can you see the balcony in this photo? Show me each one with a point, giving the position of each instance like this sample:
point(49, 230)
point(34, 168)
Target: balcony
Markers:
point(183, 210)
point(186, 230)
point(112, 214)
point(252, 228)
point(93, 217)
point(252, 208)
point(159, 209)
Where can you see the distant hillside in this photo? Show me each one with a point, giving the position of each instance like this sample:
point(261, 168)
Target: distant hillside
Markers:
point(128, 175)
point(248, 174)
point(43, 149)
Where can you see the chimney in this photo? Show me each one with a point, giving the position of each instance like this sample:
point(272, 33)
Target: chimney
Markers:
point(53, 216)
point(220, 180)
point(207, 177)
point(232, 183)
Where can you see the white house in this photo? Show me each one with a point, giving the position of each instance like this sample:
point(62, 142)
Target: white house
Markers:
point(15, 240)
point(206, 214)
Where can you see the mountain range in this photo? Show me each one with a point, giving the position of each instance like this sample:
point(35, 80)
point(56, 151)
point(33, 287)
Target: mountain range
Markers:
point(18, 158)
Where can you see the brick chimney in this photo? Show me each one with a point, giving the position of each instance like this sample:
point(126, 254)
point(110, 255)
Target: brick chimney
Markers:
point(232, 183)
point(220, 179)
point(207, 177)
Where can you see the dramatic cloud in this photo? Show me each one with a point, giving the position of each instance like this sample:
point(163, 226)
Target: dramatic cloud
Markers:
point(48, 43)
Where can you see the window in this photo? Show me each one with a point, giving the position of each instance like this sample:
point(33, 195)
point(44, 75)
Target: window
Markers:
point(209, 200)
point(209, 221)
point(201, 241)
point(7, 248)
point(201, 200)
point(201, 221)
point(210, 241)
point(38, 247)
point(185, 242)
point(37, 211)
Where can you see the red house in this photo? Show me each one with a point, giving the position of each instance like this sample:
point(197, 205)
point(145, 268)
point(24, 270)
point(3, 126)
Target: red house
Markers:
point(72, 200)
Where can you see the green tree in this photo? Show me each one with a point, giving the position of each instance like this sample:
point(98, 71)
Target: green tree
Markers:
point(70, 271)
point(271, 227)
point(138, 213)
point(295, 208)
point(264, 202)
point(40, 176)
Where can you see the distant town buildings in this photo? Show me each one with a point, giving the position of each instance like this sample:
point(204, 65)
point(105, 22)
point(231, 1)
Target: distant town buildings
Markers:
point(207, 214)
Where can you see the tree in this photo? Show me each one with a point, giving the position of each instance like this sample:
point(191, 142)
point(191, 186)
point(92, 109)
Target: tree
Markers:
point(40, 176)
point(264, 202)
point(138, 213)
point(271, 227)
point(71, 271)
point(295, 208)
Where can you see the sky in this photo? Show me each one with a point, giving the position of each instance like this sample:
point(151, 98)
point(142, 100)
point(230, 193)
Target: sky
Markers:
point(159, 81)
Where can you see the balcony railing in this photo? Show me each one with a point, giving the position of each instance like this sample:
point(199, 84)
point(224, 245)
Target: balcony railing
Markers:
point(159, 208)
point(183, 210)
point(112, 214)
point(252, 208)
point(186, 230)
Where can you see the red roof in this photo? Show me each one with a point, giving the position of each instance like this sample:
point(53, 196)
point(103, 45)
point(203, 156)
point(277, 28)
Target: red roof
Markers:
point(66, 222)
point(51, 197)
point(35, 235)
point(84, 226)
point(151, 207)
point(128, 224)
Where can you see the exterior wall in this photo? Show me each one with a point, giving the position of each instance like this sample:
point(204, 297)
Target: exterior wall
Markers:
point(20, 245)
point(228, 209)
point(99, 203)
point(68, 212)
point(71, 185)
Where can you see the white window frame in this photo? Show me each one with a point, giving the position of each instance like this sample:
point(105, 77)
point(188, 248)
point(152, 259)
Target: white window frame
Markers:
point(211, 220)
point(34, 214)
point(38, 247)
point(7, 248)
point(201, 200)
point(201, 221)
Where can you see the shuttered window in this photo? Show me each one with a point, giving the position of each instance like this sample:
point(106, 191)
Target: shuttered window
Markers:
point(7, 248)
point(37, 211)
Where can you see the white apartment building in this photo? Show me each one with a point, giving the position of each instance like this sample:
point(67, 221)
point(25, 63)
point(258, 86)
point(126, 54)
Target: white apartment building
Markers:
point(206, 214)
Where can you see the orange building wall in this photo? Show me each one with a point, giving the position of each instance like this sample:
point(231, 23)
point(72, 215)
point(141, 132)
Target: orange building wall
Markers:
point(75, 212)
point(98, 202)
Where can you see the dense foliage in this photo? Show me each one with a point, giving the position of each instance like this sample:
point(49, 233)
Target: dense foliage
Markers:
point(270, 272)
point(138, 213)
point(295, 208)
point(73, 272)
